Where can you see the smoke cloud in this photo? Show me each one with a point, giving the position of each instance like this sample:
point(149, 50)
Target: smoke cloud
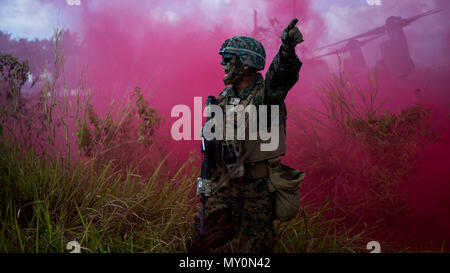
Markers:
point(170, 49)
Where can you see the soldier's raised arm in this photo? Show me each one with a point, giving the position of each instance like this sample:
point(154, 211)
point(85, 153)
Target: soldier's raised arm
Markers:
point(285, 67)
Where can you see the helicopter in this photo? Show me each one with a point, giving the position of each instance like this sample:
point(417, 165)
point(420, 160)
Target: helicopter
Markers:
point(395, 54)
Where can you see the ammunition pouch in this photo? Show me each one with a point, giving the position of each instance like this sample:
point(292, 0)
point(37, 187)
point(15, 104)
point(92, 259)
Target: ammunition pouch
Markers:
point(284, 181)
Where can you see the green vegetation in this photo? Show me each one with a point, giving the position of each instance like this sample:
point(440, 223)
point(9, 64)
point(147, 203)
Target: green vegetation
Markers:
point(106, 196)
point(46, 204)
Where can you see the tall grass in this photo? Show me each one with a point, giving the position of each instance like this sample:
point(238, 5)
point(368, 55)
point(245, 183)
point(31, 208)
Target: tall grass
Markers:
point(45, 205)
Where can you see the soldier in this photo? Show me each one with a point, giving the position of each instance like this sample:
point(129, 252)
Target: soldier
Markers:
point(243, 205)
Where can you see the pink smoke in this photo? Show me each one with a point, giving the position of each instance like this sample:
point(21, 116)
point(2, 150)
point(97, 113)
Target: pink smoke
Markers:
point(170, 49)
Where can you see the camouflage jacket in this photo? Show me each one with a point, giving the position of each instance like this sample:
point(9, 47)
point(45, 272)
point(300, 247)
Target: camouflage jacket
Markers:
point(281, 76)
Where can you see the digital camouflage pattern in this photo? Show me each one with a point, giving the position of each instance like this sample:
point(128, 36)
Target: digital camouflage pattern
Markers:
point(281, 76)
point(250, 51)
point(244, 208)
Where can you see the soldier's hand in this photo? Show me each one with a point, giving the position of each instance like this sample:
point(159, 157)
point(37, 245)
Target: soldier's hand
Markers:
point(291, 35)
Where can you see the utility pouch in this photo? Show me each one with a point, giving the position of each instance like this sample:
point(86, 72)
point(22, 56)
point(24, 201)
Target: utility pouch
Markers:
point(284, 182)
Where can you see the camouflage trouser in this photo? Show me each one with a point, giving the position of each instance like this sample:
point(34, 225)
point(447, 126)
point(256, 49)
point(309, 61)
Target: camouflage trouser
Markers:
point(243, 209)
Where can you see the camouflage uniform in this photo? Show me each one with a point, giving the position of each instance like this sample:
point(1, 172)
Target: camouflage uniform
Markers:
point(244, 207)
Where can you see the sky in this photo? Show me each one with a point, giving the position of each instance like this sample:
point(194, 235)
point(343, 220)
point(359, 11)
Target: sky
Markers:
point(35, 19)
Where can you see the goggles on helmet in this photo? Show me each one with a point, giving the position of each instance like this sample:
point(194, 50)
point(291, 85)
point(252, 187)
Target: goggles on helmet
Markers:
point(226, 58)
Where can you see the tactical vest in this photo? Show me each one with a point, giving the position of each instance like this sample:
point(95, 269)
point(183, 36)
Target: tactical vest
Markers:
point(255, 96)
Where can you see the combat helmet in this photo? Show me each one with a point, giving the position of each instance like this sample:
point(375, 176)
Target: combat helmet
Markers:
point(249, 50)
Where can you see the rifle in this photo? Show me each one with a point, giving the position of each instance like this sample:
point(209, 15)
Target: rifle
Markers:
point(204, 181)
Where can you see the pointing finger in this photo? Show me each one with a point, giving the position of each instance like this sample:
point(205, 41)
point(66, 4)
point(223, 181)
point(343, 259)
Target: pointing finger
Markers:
point(292, 24)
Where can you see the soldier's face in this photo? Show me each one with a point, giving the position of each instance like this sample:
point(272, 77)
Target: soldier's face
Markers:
point(232, 68)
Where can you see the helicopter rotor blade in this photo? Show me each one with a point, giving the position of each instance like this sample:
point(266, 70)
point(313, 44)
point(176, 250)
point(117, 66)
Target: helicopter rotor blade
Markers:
point(364, 42)
point(375, 31)
point(334, 52)
point(328, 54)
point(382, 29)
point(407, 21)
point(347, 47)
